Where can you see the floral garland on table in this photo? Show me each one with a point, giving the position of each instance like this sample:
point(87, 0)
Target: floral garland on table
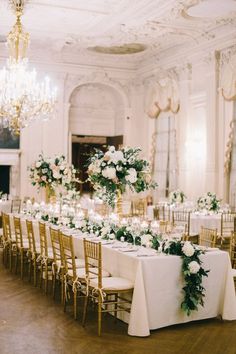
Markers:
point(52, 173)
point(112, 172)
point(177, 196)
point(209, 202)
point(193, 273)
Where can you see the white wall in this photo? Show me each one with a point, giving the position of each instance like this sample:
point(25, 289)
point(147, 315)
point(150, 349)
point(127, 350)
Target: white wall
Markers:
point(202, 122)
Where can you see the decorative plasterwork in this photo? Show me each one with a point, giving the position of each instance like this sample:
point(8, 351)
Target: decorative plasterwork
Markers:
point(76, 25)
point(101, 77)
point(228, 76)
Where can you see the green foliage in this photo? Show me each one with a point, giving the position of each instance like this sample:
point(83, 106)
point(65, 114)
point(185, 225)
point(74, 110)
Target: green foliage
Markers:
point(194, 292)
point(111, 173)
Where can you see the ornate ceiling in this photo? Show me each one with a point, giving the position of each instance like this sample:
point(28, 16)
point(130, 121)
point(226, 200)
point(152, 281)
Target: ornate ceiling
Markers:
point(124, 30)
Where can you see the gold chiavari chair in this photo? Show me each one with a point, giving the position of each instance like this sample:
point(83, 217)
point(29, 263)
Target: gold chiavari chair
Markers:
point(34, 251)
point(233, 256)
point(58, 264)
point(160, 212)
point(9, 241)
point(107, 292)
point(227, 223)
point(181, 218)
point(22, 246)
point(139, 207)
point(165, 226)
point(15, 206)
point(208, 237)
point(46, 256)
point(75, 278)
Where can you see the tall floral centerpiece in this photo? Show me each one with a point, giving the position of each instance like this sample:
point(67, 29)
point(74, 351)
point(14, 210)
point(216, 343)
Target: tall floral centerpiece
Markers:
point(51, 173)
point(209, 203)
point(113, 172)
point(177, 196)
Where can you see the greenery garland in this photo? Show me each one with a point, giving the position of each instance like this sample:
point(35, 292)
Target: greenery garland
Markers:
point(193, 273)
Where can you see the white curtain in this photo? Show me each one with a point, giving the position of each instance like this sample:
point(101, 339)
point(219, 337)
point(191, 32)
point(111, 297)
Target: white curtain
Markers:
point(165, 161)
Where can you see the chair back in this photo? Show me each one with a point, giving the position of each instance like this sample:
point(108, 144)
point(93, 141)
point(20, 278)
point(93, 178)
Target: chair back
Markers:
point(139, 207)
point(30, 234)
point(208, 237)
point(233, 251)
point(15, 206)
point(6, 227)
point(182, 218)
point(56, 244)
point(18, 232)
point(93, 260)
point(43, 239)
point(68, 255)
point(228, 223)
point(165, 226)
point(160, 212)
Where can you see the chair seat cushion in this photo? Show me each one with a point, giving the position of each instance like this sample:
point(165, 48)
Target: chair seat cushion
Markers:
point(81, 273)
point(79, 263)
point(113, 283)
point(234, 272)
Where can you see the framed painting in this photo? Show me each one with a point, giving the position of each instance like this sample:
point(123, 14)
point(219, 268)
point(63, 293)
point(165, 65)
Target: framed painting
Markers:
point(8, 140)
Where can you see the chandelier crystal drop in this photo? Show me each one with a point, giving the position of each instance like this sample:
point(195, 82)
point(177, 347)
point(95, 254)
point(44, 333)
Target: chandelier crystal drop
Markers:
point(22, 98)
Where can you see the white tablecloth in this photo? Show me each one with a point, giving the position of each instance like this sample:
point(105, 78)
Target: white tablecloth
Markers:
point(210, 221)
point(5, 206)
point(158, 286)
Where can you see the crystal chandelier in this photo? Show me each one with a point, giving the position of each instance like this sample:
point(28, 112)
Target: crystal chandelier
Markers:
point(22, 98)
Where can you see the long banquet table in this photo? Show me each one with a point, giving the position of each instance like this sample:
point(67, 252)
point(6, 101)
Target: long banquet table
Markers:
point(158, 286)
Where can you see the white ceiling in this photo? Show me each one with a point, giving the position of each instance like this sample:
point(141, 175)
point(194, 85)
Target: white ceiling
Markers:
point(70, 27)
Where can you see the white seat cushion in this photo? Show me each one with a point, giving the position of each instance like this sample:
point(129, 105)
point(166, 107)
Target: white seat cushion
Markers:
point(113, 283)
point(25, 243)
point(79, 263)
point(81, 273)
point(234, 273)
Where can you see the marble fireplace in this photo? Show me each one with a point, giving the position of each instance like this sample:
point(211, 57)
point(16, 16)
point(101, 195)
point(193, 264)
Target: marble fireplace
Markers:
point(11, 158)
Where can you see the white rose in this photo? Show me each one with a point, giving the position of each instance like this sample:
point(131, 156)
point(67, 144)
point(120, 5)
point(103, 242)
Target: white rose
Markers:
point(109, 172)
point(132, 175)
point(56, 175)
point(193, 267)
point(38, 164)
point(112, 148)
point(188, 249)
point(146, 239)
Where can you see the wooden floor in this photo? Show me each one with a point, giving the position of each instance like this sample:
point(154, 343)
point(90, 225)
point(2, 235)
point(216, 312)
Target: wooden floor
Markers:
point(32, 323)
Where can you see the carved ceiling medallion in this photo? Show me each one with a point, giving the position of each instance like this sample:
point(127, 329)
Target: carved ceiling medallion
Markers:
point(129, 48)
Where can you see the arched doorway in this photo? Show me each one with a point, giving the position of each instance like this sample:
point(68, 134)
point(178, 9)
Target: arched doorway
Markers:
point(96, 120)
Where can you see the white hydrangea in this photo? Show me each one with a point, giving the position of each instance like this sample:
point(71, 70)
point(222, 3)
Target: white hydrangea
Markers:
point(117, 156)
point(193, 267)
point(109, 172)
point(132, 175)
point(188, 249)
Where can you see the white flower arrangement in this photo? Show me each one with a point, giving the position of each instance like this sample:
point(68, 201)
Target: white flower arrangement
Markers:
point(52, 172)
point(209, 202)
point(177, 196)
point(192, 271)
point(188, 249)
point(112, 172)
